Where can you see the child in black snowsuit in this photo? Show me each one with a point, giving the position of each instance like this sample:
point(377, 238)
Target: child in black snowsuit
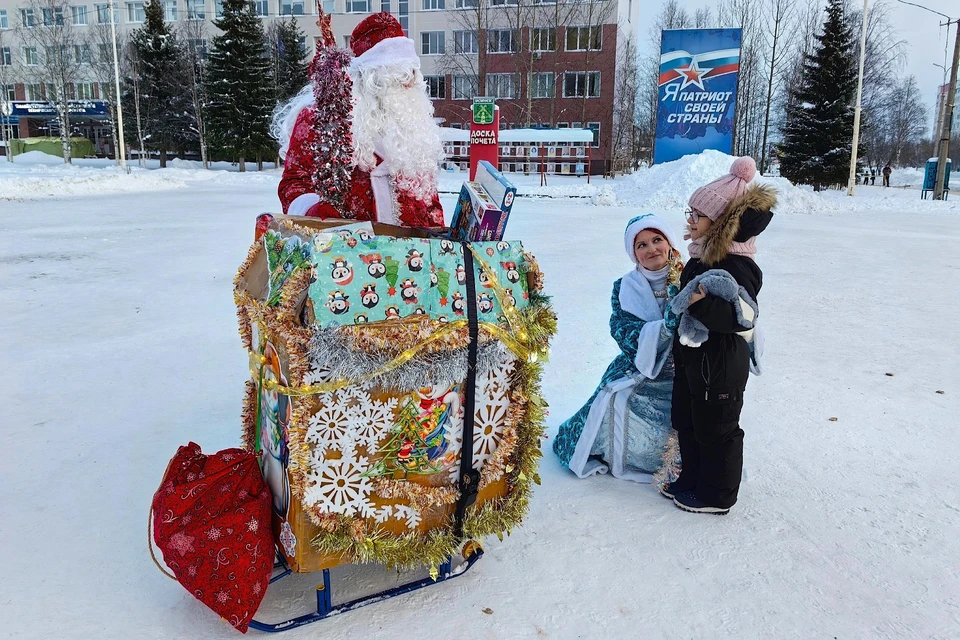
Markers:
point(724, 219)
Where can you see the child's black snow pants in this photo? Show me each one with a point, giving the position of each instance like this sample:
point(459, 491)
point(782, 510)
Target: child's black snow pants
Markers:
point(708, 391)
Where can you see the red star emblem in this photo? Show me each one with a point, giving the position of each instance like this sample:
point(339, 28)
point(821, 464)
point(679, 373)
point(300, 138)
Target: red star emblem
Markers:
point(691, 75)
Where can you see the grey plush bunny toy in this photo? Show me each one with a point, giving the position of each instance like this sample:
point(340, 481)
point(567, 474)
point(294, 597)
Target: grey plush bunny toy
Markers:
point(721, 284)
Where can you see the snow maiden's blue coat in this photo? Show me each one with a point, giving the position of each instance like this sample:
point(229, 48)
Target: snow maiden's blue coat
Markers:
point(624, 428)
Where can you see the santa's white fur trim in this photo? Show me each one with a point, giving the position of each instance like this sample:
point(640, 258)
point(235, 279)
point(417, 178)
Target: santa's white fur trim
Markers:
point(389, 51)
point(302, 203)
point(286, 114)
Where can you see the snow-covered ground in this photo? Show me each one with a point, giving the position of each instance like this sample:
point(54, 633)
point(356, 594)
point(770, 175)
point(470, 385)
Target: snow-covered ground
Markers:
point(121, 344)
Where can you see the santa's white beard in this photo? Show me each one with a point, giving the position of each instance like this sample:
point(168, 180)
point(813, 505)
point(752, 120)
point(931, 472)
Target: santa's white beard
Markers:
point(400, 119)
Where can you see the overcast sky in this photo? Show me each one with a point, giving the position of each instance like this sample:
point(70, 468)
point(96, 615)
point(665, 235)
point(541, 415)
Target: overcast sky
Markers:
point(925, 38)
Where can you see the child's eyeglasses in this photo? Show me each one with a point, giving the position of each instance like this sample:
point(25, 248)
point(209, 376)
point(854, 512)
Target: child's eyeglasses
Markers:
point(692, 216)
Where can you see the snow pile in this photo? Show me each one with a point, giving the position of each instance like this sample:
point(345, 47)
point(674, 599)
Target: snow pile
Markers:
point(37, 175)
point(22, 181)
point(37, 157)
point(668, 186)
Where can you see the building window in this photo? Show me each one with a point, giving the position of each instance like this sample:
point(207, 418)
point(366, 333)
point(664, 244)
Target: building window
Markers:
point(78, 15)
point(385, 6)
point(467, 4)
point(26, 18)
point(436, 87)
point(30, 58)
point(503, 3)
point(433, 5)
point(218, 8)
point(464, 87)
point(502, 85)
point(105, 52)
point(8, 92)
point(53, 17)
point(196, 10)
point(432, 43)
point(291, 7)
point(103, 13)
point(198, 47)
point(358, 6)
point(543, 39)
point(329, 7)
point(501, 41)
point(583, 38)
point(170, 13)
point(4, 22)
point(261, 8)
point(35, 91)
point(81, 52)
point(543, 85)
point(403, 14)
point(135, 12)
point(466, 42)
point(595, 127)
point(5, 58)
point(84, 91)
point(581, 84)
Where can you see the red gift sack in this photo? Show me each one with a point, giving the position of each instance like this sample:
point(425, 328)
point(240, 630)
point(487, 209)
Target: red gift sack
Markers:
point(211, 520)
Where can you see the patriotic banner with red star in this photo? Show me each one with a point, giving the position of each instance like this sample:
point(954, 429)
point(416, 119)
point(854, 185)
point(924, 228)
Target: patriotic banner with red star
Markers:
point(698, 92)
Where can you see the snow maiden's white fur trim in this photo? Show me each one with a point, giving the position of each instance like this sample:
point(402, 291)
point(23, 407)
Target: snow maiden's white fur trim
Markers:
point(387, 52)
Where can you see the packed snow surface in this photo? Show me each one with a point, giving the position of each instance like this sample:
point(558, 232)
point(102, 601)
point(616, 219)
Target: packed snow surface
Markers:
point(121, 342)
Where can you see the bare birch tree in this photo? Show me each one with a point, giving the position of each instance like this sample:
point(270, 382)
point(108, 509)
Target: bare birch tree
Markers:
point(779, 18)
point(50, 57)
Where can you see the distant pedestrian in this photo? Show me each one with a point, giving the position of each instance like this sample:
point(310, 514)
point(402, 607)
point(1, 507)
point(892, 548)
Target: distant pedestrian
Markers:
point(873, 177)
point(887, 170)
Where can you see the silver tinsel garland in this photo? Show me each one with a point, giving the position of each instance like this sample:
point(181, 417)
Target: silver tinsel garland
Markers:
point(330, 352)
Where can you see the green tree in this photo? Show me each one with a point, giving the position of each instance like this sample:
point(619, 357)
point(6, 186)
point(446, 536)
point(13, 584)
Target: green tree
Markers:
point(819, 127)
point(163, 109)
point(240, 93)
point(289, 59)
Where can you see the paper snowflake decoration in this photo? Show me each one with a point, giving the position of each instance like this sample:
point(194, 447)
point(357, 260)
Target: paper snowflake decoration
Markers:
point(493, 404)
point(371, 422)
point(338, 486)
point(330, 428)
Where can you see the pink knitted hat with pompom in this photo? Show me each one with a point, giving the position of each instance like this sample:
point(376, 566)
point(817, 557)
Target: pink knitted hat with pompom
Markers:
point(713, 199)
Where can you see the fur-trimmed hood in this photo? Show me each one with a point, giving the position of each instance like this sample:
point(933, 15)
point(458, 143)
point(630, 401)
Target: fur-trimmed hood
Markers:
point(745, 217)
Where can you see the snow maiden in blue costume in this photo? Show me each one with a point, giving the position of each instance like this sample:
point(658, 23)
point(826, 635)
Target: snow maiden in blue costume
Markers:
point(624, 428)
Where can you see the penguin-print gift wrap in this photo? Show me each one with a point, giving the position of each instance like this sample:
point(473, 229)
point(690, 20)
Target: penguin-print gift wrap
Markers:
point(385, 278)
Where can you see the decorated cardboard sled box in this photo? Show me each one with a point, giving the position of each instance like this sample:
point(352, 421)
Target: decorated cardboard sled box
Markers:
point(359, 337)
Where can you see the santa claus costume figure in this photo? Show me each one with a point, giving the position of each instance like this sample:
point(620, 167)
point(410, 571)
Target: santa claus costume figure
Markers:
point(391, 146)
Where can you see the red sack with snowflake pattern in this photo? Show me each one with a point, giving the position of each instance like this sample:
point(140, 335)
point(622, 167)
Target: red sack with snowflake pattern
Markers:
point(211, 521)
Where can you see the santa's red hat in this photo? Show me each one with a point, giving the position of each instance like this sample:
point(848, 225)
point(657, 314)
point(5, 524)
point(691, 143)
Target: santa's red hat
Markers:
point(379, 40)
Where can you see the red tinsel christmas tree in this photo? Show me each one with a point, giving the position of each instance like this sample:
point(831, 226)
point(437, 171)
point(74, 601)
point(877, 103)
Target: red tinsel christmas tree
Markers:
point(330, 140)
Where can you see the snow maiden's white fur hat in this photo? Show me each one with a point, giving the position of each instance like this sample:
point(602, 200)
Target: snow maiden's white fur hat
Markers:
point(647, 221)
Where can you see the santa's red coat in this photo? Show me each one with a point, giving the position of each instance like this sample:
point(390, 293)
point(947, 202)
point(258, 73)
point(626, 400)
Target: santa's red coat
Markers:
point(359, 202)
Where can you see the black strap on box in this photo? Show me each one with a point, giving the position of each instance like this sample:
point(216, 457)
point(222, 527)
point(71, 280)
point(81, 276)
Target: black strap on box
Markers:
point(469, 483)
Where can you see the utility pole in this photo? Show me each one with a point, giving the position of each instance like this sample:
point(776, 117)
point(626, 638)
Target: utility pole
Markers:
point(856, 117)
point(121, 144)
point(945, 129)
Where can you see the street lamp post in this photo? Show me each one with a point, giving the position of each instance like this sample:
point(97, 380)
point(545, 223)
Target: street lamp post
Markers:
point(856, 116)
point(121, 146)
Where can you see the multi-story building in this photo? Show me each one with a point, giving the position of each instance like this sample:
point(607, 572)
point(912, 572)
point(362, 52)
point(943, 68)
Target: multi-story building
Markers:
point(550, 63)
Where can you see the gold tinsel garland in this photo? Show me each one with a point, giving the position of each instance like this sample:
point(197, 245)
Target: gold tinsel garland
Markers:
point(248, 417)
point(517, 455)
point(373, 544)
